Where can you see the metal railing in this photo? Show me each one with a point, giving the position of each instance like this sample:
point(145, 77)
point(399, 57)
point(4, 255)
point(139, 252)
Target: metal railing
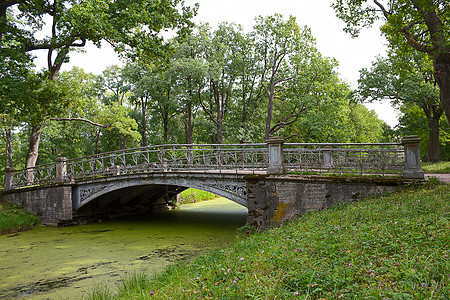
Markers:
point(170, 158)
point(344, 158)
point(341, 158)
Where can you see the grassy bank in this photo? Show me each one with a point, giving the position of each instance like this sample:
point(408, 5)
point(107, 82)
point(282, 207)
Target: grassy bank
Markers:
point(387, 247)
point(440, 167)
point(194, 195)
point(13, 219)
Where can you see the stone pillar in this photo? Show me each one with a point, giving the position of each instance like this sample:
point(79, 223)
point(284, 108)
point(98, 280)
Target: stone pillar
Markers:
point(327, 157)
point(9, 179)
point(61, 169)
point(276, 158)
point(412, 158)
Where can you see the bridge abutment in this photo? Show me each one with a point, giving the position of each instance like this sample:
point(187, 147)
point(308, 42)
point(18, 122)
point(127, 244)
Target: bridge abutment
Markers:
point(273, 200)
point(50, 204)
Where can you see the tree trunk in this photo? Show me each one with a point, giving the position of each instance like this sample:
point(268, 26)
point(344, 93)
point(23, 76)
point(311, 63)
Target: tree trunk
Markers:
point(218, 99)
point(33, 147)
point(434, 150)
point(269, 114)
point(219, 131)
point(165, 118)
point(442, 75)
point(9, 147)
point(97, 138)
point(123, 142)
point(144, 125)
point(189, 128)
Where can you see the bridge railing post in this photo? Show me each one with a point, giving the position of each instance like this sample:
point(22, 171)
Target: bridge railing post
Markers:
point(413, 169)
point(61, 169)
point(276, 157)
point(9, 179)
point(327, 157)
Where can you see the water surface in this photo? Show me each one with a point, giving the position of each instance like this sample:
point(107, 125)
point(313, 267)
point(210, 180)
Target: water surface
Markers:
point(65, 263)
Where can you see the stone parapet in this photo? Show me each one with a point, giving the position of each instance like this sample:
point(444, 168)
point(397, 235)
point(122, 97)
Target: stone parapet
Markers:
point(276, 159)
point(413, 169)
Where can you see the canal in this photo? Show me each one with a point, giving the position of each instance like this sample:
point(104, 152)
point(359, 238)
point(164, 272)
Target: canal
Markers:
point(67, 263)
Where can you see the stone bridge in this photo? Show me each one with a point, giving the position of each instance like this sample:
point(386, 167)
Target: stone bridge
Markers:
point(275, 180)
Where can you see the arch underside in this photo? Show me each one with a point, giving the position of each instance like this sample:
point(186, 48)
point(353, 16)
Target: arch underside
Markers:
point(143, 193)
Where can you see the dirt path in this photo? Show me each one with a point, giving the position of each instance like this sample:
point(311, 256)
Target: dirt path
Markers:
point(442, 177)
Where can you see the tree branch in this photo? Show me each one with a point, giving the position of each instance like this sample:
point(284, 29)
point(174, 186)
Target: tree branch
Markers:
point(385, 12)
point(282, 80)
point(82, 120)
point(73, 43)
point(288, 120)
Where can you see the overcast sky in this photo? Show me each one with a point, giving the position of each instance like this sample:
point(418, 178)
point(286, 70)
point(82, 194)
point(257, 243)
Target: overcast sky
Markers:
point(332, 41)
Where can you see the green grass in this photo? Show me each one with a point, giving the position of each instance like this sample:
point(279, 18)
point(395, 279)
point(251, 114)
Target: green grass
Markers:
point(194, 195)
point(14, 219)
point(387, 247)
point(440, 167)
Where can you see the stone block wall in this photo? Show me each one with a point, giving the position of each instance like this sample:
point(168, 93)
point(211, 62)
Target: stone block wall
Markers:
point(51, 205)
point(272, 200)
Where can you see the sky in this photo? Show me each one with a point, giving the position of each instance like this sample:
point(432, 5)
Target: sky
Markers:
point(332, 41)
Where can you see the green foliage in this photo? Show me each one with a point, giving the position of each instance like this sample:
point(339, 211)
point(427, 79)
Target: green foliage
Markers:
point(412, 28)
point(392, 247)
point(414, 122)
point(406, 78)
point(14, 219)
point(208, 90)
point(194, 195)
point(132, 27)
point(399, 16)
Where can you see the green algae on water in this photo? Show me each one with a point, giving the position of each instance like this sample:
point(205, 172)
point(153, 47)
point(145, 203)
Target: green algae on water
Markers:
point(61, 263)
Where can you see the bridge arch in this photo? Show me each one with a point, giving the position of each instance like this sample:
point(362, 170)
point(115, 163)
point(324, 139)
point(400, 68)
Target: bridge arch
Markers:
point(151, 188)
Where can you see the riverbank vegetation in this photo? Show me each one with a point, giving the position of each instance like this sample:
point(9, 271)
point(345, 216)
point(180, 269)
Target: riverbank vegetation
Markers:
point(194, 196)
point(14, 219)
point(386, 247)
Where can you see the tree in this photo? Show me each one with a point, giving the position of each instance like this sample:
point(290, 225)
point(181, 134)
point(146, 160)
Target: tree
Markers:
point(247, 108)
point(13, 93)
point(283, 47)
point(132, 27)
point(87, 121)
point(424, 25)
point(224, 60)
point(406, 79)
point(144, 86)
point(413, 121)
point(189, 70)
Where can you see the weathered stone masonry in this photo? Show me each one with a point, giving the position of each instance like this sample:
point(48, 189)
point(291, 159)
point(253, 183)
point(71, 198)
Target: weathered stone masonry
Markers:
point(50, 204)
point(272, 200)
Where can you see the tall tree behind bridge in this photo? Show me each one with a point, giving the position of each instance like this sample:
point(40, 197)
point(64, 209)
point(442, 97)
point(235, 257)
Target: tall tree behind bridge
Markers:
point(423, 25)
point(406, 79)
point(284, 48)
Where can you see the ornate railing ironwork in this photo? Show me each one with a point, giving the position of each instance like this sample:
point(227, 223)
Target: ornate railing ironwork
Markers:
point(345, 158)
point(170, 158)
point(163, 158)
point(379, 159)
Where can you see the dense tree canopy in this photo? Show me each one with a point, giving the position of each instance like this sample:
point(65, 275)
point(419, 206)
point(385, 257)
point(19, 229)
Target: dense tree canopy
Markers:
point(132, 27)
point(424, 25)
point(407, 80)
point(216, 86)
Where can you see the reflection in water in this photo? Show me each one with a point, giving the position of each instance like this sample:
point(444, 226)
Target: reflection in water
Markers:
point(61, 263)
